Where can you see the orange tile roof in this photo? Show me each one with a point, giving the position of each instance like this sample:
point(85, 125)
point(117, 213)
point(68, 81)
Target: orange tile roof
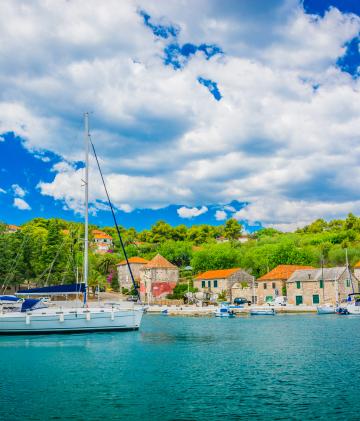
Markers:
point(217, 274)
point(103, 235)
point(13, 227)
point(135, 259)
point(159, 262)
point(357, 264)
point(65, 232)
point(282, 272)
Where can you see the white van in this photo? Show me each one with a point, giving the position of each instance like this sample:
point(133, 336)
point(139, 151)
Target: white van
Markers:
point(278, 301)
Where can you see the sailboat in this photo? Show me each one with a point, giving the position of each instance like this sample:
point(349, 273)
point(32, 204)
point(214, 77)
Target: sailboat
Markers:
point(35, 315)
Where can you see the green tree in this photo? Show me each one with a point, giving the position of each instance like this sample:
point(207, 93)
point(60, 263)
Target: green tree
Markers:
point(232, 229)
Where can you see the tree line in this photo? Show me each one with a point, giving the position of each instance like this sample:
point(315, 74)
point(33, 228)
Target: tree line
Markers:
point(49, 251)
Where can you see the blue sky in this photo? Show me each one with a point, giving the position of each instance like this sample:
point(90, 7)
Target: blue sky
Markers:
point(199, 112)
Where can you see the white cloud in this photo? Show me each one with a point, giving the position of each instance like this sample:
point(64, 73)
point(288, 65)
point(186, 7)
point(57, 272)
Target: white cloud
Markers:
point(220, 215)
point(2, 190)
point(21, 204)
point(18, 191)
point(283, 129)
point(189, 213)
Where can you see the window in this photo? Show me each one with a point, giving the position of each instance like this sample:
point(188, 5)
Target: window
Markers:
point(265, 286)
point(254, 299)
point(298, 284)
point(209, 284)
point(298, 300)
point(202, 284)
point(215, 284)
point(316, 299)
point(348, 283)
point(273, 285)
point(321, 283)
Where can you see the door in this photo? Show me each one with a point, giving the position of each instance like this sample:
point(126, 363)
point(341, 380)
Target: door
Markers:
point(299, 299)
point(316, 299)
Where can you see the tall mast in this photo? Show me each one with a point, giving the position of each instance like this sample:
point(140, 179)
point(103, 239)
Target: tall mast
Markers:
point(86, 240)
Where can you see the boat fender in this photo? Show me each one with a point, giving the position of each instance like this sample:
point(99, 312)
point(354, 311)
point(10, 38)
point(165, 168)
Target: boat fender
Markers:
point(61, 317)
point(27, 319)
point(88, 315)
point(112, 315)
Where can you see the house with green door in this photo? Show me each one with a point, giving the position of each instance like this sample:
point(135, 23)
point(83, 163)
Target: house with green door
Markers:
point(312, 287)
point(273, 283)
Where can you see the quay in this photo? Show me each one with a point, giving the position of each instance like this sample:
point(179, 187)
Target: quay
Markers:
point(192, 310)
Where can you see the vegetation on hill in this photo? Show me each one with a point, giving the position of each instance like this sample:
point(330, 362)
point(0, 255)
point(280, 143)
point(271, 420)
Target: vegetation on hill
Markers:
point(50, 250)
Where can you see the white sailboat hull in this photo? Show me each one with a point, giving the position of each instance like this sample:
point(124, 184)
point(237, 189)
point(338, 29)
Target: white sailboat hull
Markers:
point(70, 321)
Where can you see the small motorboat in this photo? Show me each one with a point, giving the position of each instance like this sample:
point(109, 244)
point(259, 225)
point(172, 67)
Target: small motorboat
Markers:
point(342, 311)
point(262, 311)
point(224, 311)
point(326, 309)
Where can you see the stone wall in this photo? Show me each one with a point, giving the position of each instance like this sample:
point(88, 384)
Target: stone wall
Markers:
point(124, 276)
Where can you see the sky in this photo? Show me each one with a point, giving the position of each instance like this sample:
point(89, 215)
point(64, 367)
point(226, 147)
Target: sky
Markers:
point(199, 111)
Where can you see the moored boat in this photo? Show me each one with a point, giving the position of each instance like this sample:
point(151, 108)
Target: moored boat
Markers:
point(224, 311)
point(36, 317)
point(262, 311)
point(353, 306)
point(326, 309)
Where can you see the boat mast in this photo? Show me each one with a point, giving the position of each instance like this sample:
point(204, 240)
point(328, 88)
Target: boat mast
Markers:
point(349, 271)
point(86, 181)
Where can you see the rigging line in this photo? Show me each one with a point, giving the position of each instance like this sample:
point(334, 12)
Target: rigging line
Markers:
point(14, 266)
point(115, 222)
point(53, 262)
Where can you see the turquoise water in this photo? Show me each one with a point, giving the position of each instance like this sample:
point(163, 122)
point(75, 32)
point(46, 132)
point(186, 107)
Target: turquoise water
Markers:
point(182, 368)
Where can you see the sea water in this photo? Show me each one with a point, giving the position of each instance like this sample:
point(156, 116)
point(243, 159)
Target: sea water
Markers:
point(181, 368)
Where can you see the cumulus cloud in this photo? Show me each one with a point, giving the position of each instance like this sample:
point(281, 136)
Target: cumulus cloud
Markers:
point(220, 215)
point(18, 191)
point(21, 204)
point(283, 128)
point(189, 213)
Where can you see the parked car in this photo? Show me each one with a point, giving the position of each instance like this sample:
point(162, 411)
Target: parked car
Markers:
point(278, 301)
point(132, 298)
point(241, 301)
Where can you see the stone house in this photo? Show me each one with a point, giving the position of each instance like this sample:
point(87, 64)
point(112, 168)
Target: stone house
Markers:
point(10, 229)
point(217, 281)
point(320, 286)
point(273, 283)
point(124, 277)
point(101, 241)
point(158, 278)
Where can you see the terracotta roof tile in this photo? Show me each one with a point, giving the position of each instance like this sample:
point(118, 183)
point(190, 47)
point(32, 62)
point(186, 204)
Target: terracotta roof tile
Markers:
point(159, 262)
point(282, 272)
point(217, 274)
point(135, 259)
point(357, 264)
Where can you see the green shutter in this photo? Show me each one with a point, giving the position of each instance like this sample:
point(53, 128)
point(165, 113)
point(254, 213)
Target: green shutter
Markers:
point(202, 284)
point(299, 299)
point(321, 283)
point(215, 284)
point(209, 284)
point(316, 299)
point(298, 284)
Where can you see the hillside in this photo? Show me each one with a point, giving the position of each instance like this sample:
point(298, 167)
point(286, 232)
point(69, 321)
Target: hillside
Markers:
point(45, 249)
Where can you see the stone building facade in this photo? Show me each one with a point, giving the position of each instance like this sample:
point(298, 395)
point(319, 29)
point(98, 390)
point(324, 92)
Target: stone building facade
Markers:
point(320, 286)
point(218, 281)
point(273, 283)
point(158, 278)
point(124, 277)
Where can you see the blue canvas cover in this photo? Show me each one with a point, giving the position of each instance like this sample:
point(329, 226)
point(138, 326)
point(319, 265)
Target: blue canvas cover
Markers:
point(9, 298)
point(31, 304)
point(54, 290)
